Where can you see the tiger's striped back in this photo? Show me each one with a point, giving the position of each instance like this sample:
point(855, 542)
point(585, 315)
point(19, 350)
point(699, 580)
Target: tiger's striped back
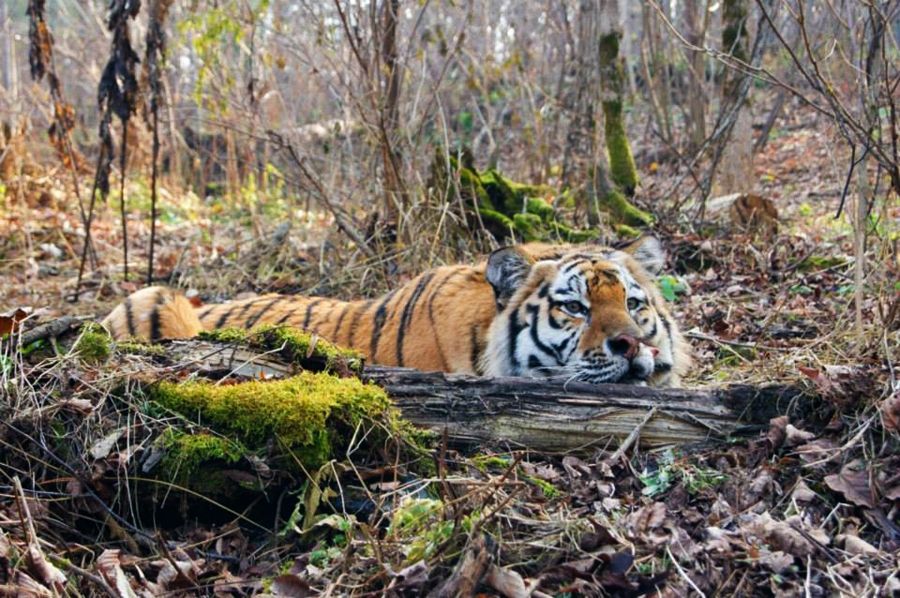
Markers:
point(407, 327)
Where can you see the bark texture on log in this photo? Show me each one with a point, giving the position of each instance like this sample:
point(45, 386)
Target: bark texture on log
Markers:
point(552, 415)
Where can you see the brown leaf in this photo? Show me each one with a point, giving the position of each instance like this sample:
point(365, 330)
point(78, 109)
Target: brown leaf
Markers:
point(856, 545)
point(82, 406)
point(777, 562)
point(416, 575)
point(777, 433)
point(811, 373)
point(779, 534)
point(717, 539)
point(184, 577)
point(290, 585)
point(854, 485)
point(648, 517)
point(470, 570)
point(27, 587)
point(9, 321)
point(506, 581)
point(104, 446)
point(890, 412)
point(803, 493)
point(760, 485)
point(817, 450)
point(795, 436)
point(44, 570)
point(109, 564)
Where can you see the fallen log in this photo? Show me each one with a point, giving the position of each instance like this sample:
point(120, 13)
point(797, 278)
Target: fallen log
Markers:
point(541, 414)
point(552, 415)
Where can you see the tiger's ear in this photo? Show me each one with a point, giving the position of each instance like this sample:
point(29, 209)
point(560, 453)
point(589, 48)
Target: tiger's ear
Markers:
point(507, 269)
point(648, 252)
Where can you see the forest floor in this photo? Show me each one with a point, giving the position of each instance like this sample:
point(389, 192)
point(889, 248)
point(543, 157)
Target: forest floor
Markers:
point(807, 507)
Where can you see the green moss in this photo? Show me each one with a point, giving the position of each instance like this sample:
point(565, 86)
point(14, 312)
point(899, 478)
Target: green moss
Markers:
point(529, 227)
point(734, 30)
point(496, 223)
point(225, 335)
point(309, 414)
point(485, 462)
point(609, 48)
point(505, 208)
point(531, 191)
point(820, 262)
point(628, 232)
point(189, 456)
point(622, 168)
point(549, 490)
point(540, 208)
point(419, 526)
point(473, 191)
point(94, 346)
point(137, 348)
point(501, 193)
point(294, 345)
point(623, 212)
point(571, 235)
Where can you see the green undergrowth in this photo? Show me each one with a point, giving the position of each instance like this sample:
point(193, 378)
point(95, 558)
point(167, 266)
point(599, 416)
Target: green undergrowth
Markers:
point(293, 345)
point(508, 210)
point(94, 346)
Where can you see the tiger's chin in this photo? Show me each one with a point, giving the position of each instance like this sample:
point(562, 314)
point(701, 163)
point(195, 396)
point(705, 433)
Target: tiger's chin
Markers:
point(618, 370)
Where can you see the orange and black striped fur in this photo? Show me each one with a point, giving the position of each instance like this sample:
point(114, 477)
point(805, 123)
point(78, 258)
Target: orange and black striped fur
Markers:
point(587, 312)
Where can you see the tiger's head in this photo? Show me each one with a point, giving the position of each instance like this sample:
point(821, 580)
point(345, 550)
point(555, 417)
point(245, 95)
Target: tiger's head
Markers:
point(588, 313)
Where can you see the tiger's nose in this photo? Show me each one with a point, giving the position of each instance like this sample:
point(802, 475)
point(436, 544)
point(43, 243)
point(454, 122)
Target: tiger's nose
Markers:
point(624, 345)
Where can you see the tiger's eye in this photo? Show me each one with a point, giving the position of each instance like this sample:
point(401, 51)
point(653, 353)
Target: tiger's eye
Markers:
point(575, 308)
point(633, 303)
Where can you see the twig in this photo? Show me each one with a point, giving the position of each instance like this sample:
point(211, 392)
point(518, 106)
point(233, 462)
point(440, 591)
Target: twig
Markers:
point(683, 573)
point(122, 156)
point(630, 440)
point(51, 329)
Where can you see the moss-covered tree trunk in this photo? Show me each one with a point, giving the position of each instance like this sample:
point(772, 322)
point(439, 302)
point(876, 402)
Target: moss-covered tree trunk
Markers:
point(621, 161)
point(620, 178)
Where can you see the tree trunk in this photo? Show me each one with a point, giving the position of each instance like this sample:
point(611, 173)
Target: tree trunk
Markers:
point(390, 114)
point(736, 171)
point(696, 26)
point(581, 136)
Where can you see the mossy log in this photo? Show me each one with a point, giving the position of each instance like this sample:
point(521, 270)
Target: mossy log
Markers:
point(543, 415)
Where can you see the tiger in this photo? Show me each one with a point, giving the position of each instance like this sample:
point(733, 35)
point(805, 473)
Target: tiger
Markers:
point(583, 312)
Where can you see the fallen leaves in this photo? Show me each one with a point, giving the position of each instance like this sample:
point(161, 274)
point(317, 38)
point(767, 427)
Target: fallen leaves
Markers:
point(853, 483)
